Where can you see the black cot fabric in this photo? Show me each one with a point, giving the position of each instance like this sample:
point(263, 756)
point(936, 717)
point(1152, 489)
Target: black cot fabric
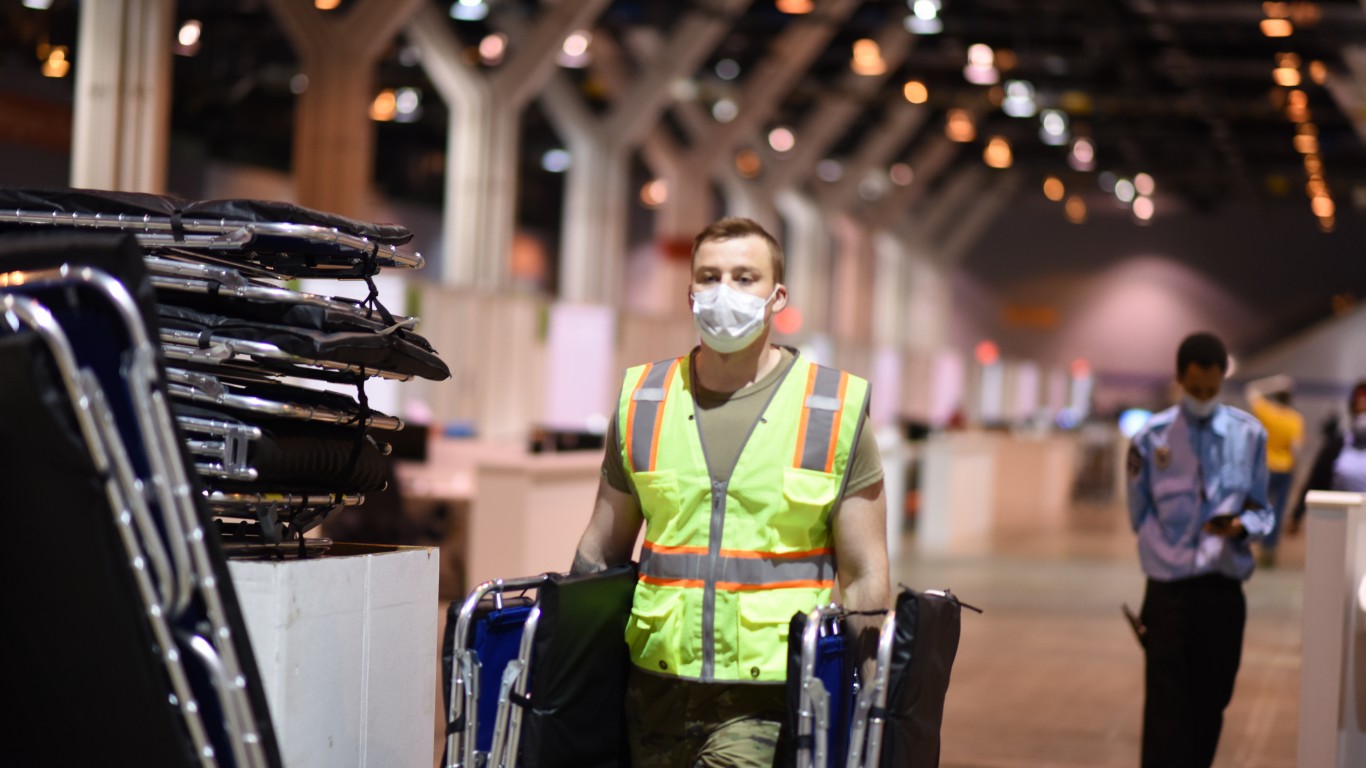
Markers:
point(115, 254)
point(76, 656)
point(303, 457)
point(927, 631)
point(577, 717)
point(374, 351)
point(138, 204)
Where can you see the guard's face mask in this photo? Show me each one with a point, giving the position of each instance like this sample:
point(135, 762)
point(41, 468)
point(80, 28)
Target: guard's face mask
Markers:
point(1200, 409)
point(728, 320)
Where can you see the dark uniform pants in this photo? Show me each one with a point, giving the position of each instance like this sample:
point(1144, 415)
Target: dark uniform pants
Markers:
point(1194, 644)
point(675, 723)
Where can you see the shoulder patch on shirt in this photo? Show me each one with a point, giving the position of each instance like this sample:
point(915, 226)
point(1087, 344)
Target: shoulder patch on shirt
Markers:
point(1135, 463)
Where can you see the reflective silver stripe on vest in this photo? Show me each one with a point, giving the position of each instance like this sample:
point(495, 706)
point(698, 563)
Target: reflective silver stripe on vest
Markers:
point(750, 571)
point(820, 418)
point(649, 401)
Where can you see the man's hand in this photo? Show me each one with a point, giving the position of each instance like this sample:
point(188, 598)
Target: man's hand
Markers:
point(1228, 526)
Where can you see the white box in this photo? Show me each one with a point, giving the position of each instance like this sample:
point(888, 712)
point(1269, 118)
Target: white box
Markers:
point(346, 647)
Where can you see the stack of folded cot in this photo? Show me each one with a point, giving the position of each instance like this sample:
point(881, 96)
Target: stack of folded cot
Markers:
point(253, 366)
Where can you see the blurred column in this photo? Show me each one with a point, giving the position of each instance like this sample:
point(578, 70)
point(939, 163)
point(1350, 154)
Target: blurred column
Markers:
point(334, 137)
point(123, 95)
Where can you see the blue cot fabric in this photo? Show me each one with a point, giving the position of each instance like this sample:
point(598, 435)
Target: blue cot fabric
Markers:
point(833, 670)
point(497, 638)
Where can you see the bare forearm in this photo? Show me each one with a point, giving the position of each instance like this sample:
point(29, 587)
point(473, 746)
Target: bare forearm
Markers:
point(611, 533)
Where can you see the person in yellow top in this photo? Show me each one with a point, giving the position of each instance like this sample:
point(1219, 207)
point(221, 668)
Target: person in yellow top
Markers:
point(759, 486)
point(1269, 400)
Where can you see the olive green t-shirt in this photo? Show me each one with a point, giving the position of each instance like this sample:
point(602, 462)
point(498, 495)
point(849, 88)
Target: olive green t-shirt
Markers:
point(725, 420)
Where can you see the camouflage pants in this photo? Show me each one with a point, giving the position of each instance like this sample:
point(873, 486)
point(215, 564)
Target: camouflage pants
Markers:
point(682, 724)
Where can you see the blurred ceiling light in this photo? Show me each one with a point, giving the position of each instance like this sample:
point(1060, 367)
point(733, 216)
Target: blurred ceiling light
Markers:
point(748, 163)
point(1053, 188)
point(958, 126)
point(1318, 72)
point(409, 56)
point(789, 321)
point(1083, 155)
point(1075, 209)
point(385, 106)
point(1297, 98)
point(1144, 184)
point(556, 160)
point(38, 5)
point(1053, 127)
point(829, 170)
point(916, 92)
point(924, 18)
point(781, 139)
point(492, 48)
point(996, 95)
point(1006, 59)
point(1285, 76)
point(1143, 208)
point(1277, 27)
point(1326, 224)
point(1306, 144)
point(997, 153)
point(407, 105)
point(298, 84)
point(574, 52)
point(867, 58)
point(56, 64)
point(727, 69)
point(1288, 60)
point(576, 43)
point(981, 69)
point(1019, 101)
point(326, 5)
point(1106, 181)
point(1124, 190)
point(1315, 187)
point(683, 89)
point(873, 186)
point(724, 111)
point(1322, 206)
point(469, 10)
point(188, 36)
point(654, 193)
point(901, 174)
point(1276, 10)
point(794, 7)
point(1313, 163)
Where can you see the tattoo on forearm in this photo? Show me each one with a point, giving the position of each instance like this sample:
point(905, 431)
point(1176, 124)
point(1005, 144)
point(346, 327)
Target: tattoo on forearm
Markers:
point(583, 564)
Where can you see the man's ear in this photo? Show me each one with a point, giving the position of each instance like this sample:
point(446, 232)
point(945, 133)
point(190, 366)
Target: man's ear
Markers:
point(779, 298)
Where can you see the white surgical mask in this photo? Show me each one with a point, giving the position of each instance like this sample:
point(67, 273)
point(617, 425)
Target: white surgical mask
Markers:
point(1200, 409)
point(727, 319)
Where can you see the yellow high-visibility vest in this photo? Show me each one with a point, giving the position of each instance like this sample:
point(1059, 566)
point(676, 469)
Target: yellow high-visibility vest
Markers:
point(727, 562)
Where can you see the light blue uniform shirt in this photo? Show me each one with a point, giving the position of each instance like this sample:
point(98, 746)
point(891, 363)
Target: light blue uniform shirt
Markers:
point(1184, 471)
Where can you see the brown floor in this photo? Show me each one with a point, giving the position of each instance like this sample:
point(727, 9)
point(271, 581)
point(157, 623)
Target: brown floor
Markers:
point(1050, 675)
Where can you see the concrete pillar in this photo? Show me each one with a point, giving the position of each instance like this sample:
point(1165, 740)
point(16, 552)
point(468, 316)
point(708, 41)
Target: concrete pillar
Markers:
point(123, 95)
point(808, 261)
point(334, 138)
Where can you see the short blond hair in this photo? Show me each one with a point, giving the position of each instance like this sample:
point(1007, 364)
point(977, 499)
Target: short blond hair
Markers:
point(732, 227)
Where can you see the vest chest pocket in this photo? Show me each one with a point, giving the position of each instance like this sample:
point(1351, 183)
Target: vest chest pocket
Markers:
point(657, 491)
point(809, 495)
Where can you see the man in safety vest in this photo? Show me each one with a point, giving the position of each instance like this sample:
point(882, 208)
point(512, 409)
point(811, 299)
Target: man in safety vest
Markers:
point(759, 485)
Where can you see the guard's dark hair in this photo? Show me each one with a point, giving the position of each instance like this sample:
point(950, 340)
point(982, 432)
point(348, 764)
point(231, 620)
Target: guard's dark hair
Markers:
point(736, 226)
point(1358, 393)
point(1203, 350)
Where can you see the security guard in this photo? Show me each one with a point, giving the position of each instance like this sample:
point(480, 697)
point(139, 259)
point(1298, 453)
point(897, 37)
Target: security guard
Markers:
point(1197, 497)
point(759, 486)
